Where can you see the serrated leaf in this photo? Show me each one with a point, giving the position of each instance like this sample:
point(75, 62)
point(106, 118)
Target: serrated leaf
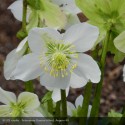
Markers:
point(34, 4)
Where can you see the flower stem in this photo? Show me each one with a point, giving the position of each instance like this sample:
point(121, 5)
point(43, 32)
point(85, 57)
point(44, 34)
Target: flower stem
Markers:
point(64, 105)
point(96, 101)
point(57, 111)
point(24, 15)
point(85, 105)
point(50, 106)
point(29, 86)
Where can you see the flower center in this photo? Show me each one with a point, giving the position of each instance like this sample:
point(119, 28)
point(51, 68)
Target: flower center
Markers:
point(59, 61)
point(59, 58)
point(17, 109)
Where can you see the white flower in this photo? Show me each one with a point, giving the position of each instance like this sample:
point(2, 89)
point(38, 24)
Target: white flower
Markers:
point(56, 93)
point(70, 9)
point(52, 15)
point(12, 59)
point(124, 73)
point(24, 106)
point(17, 9)
point(78, 102)
point(59, 60)
point(42, 16)
point(68, 6)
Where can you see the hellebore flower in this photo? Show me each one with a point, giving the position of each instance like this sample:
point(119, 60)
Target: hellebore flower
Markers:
point(24, 106)
point(48, 14)
point(56, 93)
point(78, 102)
point(70, 9)
point(58, 58)
point(13, 58)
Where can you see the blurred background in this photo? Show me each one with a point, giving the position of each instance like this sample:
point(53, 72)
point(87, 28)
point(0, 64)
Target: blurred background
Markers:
point(113, 93)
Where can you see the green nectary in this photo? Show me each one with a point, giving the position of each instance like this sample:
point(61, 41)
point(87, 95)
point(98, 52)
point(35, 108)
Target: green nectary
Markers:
point(17, 109)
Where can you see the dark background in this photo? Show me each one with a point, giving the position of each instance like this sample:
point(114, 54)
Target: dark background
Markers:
point(113, 93)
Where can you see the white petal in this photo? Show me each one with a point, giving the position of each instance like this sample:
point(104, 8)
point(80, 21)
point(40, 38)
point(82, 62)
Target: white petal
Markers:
point(39, 36)
point(5, 111)
point(7, 97)
point(56, 95)
point(79, 101)
point(82, 35)
point(17, 9)
point(71, 20)
point(119, 42)
point(33, 114)
point(10, 64)
point(28, 68)
point(30, 100)
point(70, 108)
point(88, 68)
point(124, 73)
point(21, 45)
point(77, 81)
point(89, 110)
point(57, 82)
point(67, 6)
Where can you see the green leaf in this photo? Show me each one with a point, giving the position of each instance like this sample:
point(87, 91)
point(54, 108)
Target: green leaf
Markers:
point(34, 4)
point(79, 109)
point(43, 110)
point(112, 113)
point(74, 113)
point(107, 14)
point(91, 11)
point(47, 97)
point(118, 56)
point(114, 117)
point(119, 42)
